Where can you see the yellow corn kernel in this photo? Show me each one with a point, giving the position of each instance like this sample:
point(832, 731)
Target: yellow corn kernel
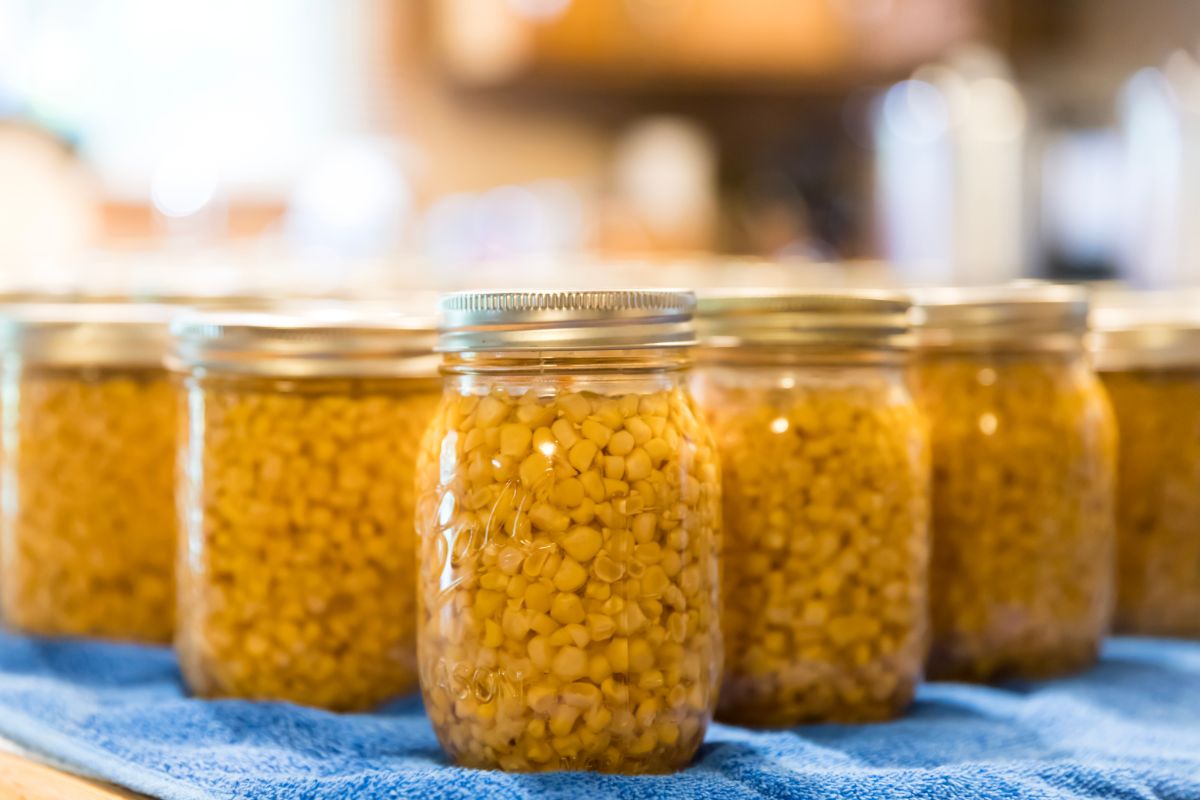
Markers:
point(614, 468)
point(543, 441)
point(607, 569)
point(596, 433)
point(538, 597)
point(582, 543)
point(535, 469)
point(547, 517)
point(621, 443)
point(515, 439)
point(493, 635)
point(593, 484)
point(570, 663)
point(568, 493)
point(567, 608)
point(562, 719)
point(597, 718)
point(600, 626)
point(599, 668)
point(570, 576)
point(575, 408)
point(565, 433)
point(638, 467)
point(582, 454)
point(617, 653)
point(490, 413)
point(581, 695)
point(542, 697)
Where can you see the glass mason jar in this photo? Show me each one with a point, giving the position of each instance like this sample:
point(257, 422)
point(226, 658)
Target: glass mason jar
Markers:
point(89, 425)
point(825, 486)
point(297, 567)
point(1023, 471)
point(569, 517)
point(1149, 360)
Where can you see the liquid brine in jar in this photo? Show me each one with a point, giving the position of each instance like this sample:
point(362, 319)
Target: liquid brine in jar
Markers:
point(297, 563)
point(569, 518)
point(825, 491)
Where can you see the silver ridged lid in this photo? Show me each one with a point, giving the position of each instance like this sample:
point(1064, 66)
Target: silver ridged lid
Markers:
point(1028, 314)
point(566, 320)
point(1145, 338)
point(83, 334)
point(331, 341)
point(834, 318)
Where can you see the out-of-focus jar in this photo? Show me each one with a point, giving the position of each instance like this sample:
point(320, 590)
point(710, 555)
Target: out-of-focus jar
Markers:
point(89, 426)
point(569, 520)
point(825, 490)
point(1149, 360)
point(296, 572)
point(1023, 471)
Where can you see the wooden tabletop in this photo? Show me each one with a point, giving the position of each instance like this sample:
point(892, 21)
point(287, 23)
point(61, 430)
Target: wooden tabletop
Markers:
point(24, 779)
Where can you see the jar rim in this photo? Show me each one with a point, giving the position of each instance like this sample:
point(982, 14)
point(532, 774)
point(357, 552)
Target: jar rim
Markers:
point(80, 334)
point(331, 340)
point(1031, 315)
point(1146, 337)
point(765, 318)
point(566, 320)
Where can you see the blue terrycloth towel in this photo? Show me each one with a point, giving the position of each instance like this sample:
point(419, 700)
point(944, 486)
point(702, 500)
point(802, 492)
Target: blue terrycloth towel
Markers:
point(1129, 728)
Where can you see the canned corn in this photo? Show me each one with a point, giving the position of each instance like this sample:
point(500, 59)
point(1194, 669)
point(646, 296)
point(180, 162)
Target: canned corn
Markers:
point(826, 503)
point(569, 523)
point(297, 559)
point(1023, 472)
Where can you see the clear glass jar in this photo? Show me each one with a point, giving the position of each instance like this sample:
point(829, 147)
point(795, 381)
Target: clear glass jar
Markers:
point(89, 424)
point(569, 519)
point(825, 490)
point(1022, 576)
point(297, 567)
point(1149, 360)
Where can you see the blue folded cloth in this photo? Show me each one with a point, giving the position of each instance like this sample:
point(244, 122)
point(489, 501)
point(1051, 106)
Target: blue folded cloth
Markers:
point(1128, 728)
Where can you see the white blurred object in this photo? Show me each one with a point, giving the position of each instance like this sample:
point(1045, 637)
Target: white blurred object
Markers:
point(48, 206)
point(183, 186)
point(186, 191)
point(355, 201)
point(485, 41)
point(538, 219)
point(264, 83)
point(951, 172)
point(1160, 122)
point(665, 174)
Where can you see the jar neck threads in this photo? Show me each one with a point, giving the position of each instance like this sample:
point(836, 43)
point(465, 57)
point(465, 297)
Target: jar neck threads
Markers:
point(569, 363)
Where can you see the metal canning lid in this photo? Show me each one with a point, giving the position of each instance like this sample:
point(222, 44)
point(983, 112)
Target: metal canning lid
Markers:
point(1145, 338)
point(566, 320)
point(330, 341)
point(1024, 314)
point(835, 318)
point(86, 334)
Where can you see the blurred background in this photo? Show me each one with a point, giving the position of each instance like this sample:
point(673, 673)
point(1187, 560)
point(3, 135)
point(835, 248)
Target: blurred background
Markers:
point(370, 146)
